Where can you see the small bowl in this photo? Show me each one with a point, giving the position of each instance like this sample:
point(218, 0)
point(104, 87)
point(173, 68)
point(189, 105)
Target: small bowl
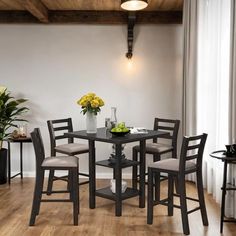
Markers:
point(120, 134)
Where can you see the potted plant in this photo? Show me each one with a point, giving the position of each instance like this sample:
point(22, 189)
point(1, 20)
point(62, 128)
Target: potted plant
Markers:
point(10, 112)
point(91, 104)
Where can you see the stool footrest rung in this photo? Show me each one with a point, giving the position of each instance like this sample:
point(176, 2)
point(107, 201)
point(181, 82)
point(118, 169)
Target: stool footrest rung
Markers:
point(85, 182)
point(188, 198)
point(165, 203)
point(83, 174)
point(56, 191)
point(193, 210)
point(56, 200)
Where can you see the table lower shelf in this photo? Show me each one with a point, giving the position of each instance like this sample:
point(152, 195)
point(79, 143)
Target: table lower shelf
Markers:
point(124, 163)
point(107, 193)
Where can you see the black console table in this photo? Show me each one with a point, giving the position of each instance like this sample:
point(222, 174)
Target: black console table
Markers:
point(225, 187)
point(103, 135)
point(20, 141)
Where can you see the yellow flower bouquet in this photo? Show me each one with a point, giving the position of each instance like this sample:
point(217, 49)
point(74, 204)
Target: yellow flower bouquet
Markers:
point(90, 103)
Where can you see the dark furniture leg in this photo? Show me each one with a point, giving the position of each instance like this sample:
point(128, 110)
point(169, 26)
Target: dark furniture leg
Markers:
point(50, 182)
point(183, 205)
point(75, 195)
point(142, 174)
point(150, 197)
point(37, 197)
point(135, 170)
point(21, 160)
point(174, 155)
point(114, 173)
point(70, 184)
point(170, 195)
point(157, 178)
point(201, 198)
point(40, 190)
point(118, 180)
point(92, 177)
point(223, 197)
point(9, 162)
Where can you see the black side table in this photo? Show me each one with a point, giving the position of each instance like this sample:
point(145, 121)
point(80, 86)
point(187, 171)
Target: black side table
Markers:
point(225, 187)
point(20, 141)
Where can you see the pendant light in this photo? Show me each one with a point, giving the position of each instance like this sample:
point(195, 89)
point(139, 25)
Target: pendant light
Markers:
point(134, 5)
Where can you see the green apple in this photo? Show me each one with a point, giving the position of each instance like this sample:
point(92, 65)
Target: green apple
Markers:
point(121, 125)
point(125, 129)
point(118, 130)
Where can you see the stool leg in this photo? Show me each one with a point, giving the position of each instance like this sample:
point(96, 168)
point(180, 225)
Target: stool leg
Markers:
point(174, 155)
point(70, 184)
point(135, 170)
point(183, 205)
point(50, 182)
point(75, 195)
point(150, 197)
point(170, 195)
point(157, 179)
point(176, 185)
point(201, 198)
point(37, 197)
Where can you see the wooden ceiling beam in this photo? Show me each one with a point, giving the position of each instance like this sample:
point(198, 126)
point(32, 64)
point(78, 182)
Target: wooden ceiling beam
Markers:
point(115, 17)
point(94, 17)
point(37, 9)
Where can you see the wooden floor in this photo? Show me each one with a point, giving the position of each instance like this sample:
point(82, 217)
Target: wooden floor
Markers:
point(56, 218)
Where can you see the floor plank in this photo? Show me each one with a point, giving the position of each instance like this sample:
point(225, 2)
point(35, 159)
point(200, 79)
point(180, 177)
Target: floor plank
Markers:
point(56, 218)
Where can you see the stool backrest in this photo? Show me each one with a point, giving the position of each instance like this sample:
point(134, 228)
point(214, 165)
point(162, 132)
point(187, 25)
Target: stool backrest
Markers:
point(56, 129)
point(168, 125)
point(192, 149)
point(38, 147)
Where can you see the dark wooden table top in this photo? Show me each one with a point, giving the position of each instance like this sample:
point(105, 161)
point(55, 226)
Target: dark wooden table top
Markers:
point(221, 155)
point(104, 135)
point(20, 140)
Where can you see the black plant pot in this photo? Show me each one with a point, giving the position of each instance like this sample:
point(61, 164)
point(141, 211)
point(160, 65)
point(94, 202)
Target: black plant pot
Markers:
point(3, 166)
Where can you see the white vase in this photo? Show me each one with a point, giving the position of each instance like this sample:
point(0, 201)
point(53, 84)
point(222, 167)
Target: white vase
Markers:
point(91, 123)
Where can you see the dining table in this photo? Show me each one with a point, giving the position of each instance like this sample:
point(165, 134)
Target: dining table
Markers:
point(103, 135)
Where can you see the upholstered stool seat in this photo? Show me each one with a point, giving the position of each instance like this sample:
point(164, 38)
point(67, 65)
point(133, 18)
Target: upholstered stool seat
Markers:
point(72, 148)
point(153, 148)
point(60, 161)
point(172, 165)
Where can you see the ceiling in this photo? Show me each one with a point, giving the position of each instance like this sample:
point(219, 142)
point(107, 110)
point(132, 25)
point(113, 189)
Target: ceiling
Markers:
point(86, 11)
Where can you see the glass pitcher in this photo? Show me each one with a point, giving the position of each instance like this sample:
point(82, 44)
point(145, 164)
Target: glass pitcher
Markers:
point(113, 119)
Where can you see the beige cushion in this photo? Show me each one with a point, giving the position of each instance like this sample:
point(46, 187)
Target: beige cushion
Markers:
point(172, 165)
point(72, 148)
point(60, 161)
point(155, 147)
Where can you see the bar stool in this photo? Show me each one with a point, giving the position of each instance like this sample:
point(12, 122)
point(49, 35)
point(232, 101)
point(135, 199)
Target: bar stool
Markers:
point(192, 149)
point(69, 163)
point(57, 128)
point(157, 149)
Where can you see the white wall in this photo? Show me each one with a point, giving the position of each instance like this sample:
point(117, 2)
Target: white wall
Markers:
point(53, 66)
